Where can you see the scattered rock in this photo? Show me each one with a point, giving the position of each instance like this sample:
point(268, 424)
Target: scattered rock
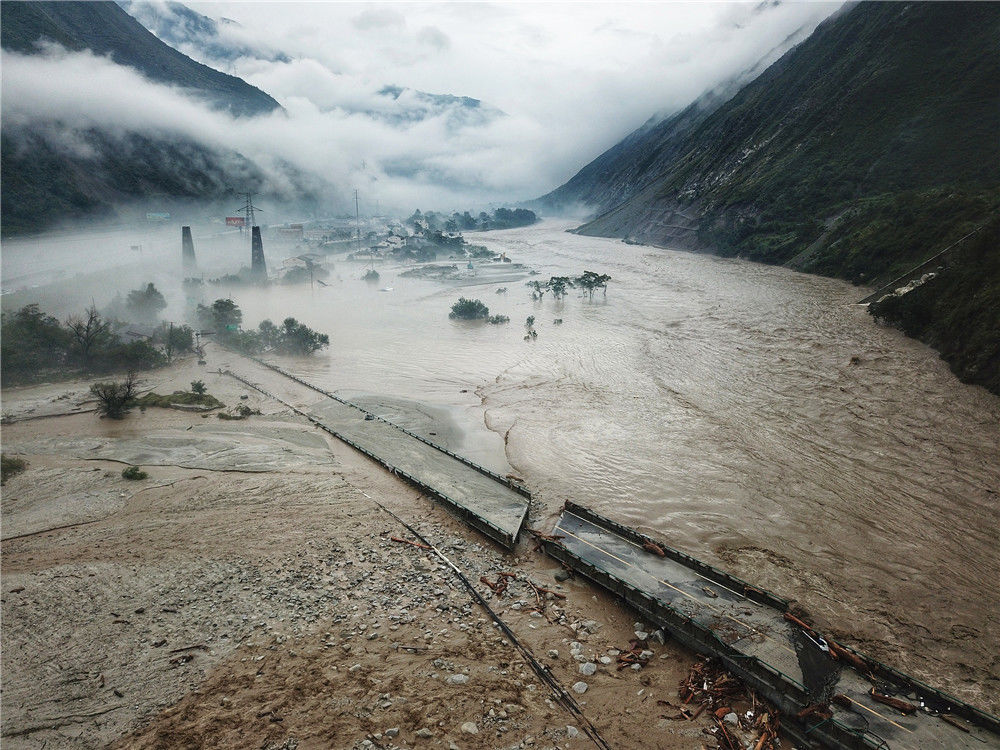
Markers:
point(572, 731)
point(562, 575)
point(391, 732)
point(425, 733)
point(470, 727)
point(580, 687)
point(457, 679)
point(553, 654)
point(588, 668)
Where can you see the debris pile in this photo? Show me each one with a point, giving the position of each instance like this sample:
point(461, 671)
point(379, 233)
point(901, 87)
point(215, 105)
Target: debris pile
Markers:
point(740, 720)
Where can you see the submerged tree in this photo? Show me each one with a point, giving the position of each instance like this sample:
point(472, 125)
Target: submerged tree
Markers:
point(529, 326)
point(591, 281)
point(559, 285)
point(538, 288)
point(469, 309)
point(115, 399)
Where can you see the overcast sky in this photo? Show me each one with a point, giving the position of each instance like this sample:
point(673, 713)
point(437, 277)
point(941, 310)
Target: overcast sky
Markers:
point(571, 78)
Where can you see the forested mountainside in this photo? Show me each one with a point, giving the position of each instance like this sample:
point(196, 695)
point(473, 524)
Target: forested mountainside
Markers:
point(860, 153)
point(106, 29)
point(56, 171)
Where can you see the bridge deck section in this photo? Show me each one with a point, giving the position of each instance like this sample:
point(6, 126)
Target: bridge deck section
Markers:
point(723, 616)
point(485, 503)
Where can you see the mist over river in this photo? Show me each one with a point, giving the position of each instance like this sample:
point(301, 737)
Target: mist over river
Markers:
point(749, 415)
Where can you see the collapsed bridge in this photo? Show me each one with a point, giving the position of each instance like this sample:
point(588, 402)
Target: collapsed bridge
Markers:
point(828, 694)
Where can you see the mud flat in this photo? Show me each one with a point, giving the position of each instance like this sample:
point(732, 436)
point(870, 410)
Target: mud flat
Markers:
point(249, 593)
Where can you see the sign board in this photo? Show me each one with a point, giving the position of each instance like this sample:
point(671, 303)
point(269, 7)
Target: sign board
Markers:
point(235, 221)
point(157, 216)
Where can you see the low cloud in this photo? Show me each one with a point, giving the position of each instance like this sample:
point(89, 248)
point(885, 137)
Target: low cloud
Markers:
point(569, 87)
point(432, 36)
point(379, 18)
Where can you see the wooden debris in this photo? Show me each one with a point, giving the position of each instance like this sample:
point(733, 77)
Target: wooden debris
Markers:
point(727, 741)
point(654, 548)
point(793, 619)
point(849, 656)
point(540, 590)
point(499, 586)
point(842, 700)
point(819, 710)
point(547, 537)
point(955, 722)
point(902, 706)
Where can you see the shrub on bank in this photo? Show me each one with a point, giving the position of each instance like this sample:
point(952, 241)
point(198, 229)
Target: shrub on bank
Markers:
point(10, 466)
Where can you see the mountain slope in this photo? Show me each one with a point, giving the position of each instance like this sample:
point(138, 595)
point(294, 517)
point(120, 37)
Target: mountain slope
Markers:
point(106, 29)
point(54, 170)
point(633, 163)
point(44, 184)
point(196, 35)
point(886, 110)
point(860, 153)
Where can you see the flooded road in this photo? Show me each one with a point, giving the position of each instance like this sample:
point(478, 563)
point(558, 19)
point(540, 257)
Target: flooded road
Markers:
point(749, 415)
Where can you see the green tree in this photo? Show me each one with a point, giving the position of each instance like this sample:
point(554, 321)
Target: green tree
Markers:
point(133, 355)
point(174, 339)
point(469, 309)
point(146, 303)
point(31, 342)
point(199, 387)
point(270, 334)
point(297, 338)
point(224, 316)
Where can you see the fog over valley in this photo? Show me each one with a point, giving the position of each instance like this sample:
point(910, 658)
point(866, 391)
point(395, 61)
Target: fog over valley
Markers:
point(440, 106)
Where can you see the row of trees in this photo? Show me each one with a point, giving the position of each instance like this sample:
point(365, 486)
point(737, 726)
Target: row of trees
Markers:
point(589, 282)
point(224, 318)
point(501, 218)
point(36, 344)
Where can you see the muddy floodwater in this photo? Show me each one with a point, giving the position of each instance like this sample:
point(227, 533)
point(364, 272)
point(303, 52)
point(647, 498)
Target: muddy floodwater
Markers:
point(749, 415)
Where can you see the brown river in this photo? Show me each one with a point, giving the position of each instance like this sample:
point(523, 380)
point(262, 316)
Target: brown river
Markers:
point(749, 415)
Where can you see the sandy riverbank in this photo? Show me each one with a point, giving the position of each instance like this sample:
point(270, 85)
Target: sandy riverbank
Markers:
point(248, 594)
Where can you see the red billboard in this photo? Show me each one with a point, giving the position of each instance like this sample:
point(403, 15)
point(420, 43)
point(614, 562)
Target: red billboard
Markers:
point(235, 221)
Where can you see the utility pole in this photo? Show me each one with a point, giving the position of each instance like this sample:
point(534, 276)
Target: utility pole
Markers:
point(257, 266)
point(357, 219)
